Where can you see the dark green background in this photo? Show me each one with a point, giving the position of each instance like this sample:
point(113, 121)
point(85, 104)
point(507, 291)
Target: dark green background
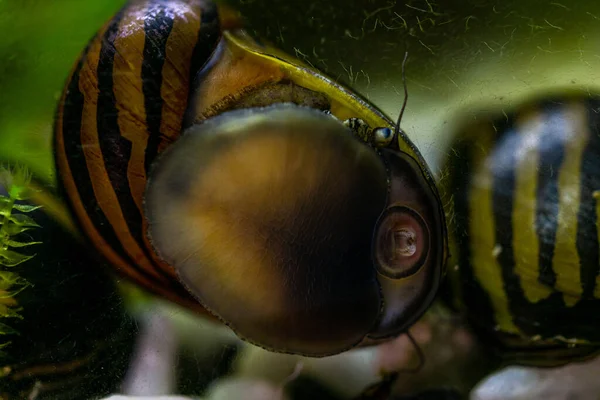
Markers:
point(463, 55)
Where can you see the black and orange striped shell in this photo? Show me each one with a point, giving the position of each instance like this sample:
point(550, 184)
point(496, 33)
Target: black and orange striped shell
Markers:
point(144, 194)
point(131, 84)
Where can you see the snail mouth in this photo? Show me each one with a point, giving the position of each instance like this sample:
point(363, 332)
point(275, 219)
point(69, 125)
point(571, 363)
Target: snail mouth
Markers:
point(267, 215)
point(401, 242)
point(408, 246)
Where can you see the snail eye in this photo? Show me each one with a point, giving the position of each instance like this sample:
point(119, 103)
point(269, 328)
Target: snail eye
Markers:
point(382, 136)
point(401, 242)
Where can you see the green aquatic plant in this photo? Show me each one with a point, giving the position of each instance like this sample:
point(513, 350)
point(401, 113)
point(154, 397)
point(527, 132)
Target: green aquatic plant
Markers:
point(14, 222)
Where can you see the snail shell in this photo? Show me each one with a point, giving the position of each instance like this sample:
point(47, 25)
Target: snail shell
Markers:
point(525, 227)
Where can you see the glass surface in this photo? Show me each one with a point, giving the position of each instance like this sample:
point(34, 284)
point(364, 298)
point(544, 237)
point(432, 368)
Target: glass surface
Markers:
point(464, 58)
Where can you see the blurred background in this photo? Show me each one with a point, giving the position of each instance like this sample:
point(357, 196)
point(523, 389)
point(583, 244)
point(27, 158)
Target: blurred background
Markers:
point(464, 57)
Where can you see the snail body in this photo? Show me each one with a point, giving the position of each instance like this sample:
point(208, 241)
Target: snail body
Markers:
point(524, 228)
point(177, 130)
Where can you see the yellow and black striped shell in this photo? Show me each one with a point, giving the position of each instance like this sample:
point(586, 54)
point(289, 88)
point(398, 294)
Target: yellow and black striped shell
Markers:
point(523, 189)
point(289, 207)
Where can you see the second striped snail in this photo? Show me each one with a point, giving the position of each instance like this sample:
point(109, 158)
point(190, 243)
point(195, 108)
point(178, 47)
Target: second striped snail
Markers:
point(524, 226)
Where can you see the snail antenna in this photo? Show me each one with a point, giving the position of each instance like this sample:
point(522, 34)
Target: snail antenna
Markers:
point(405, 92)
point(382, 390)
point(295, 374)
point(420, 356)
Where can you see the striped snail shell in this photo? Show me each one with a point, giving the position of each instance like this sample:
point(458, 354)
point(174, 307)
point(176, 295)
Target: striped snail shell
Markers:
point(524, 228)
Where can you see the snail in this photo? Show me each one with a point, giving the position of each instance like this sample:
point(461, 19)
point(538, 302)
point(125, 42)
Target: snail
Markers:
point(222, 174)
point(523, 224)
